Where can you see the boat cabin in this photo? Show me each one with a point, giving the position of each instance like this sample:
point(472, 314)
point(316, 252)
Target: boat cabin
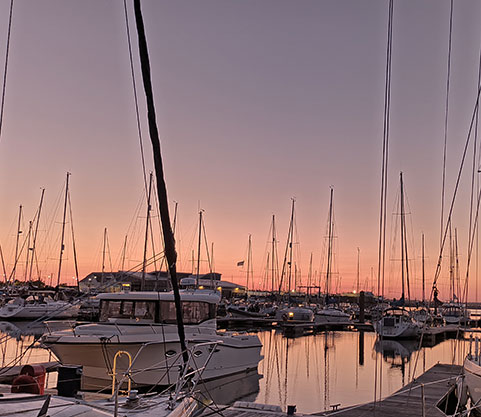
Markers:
point(394, 316)
point(157, 307)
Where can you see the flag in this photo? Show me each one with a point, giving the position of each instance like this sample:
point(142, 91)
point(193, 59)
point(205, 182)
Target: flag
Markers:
point(240, 263)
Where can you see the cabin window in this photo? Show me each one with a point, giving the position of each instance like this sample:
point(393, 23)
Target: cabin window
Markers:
point(144, 310)
point(193, 312)
point(139, 310)
point(110, 309)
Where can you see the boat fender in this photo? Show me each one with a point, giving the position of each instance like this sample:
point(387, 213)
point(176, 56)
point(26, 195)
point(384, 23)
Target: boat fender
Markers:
point(25, 384)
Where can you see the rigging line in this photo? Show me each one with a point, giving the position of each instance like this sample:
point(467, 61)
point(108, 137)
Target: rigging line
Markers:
point(458, 179)
point(134, 86)
point(73, 243)
point(6, 66)
point(446, 114)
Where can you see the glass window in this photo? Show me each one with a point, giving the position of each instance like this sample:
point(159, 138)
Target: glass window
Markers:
point(144, 310)
point(193, 312)
point(127, 309)
point(110, 309)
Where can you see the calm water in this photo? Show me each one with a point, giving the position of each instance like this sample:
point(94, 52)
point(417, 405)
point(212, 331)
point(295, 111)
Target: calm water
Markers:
point(312, 372)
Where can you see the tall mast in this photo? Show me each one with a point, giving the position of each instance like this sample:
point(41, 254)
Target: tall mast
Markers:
point(147, 225)
point(35, 233)
point(329, 247)
point(3, 265)
point(169, 242)
point(402, 235)
point(62, 245)
point(19, 232)
point(198, 249)
point(74, 246)
point(291, 238)
point(123, 253)
point(249, 260)
point(273, 256)
point(309, 277)
point(358, 270)
point(423, 267)
point(103, 255)
point(29, 235)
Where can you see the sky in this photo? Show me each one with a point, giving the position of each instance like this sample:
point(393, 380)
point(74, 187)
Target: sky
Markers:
point(257, 102)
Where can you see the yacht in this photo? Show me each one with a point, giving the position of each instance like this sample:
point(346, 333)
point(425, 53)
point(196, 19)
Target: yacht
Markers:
point(397, 323)
point(472, 372)
point(143, 324)
point(35, 307)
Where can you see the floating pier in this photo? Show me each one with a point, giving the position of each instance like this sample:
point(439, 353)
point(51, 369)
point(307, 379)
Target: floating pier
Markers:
point(429, 395)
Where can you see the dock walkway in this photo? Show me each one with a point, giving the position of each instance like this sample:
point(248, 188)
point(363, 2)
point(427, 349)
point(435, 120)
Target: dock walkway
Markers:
point(437, 382)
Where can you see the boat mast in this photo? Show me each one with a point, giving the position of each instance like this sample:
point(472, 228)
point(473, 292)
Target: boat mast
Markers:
point(358, 270)
point(35, 233)
point(103, 256)
point(147, 224)
point(62, 245)
point(402, 236)
point(3, 265)
point(291, 238)
point(123, 253)
point(169, 242)
point(423, 269)
point(329, 247)
point(29, 235)
point(198, 249)
point(274, 252)
point(19, 232)
point(74, 247)
point(249, 260)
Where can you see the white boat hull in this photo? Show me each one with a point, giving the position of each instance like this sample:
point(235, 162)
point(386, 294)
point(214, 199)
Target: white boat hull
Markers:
point(399, 331)
point(472, 378)
point(159, 361)
point(36, 311)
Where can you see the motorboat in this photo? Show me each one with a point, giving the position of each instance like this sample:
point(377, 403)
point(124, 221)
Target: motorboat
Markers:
point(331, 314)
point(472, 372)
point(397, 323)
point(143, 324)
point(35, 307)
point(295, 314)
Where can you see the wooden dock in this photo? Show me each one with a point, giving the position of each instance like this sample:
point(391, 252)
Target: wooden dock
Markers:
point(436, 383)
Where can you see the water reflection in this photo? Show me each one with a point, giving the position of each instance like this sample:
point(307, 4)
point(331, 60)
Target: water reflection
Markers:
point(317, 371)
point(312, 372)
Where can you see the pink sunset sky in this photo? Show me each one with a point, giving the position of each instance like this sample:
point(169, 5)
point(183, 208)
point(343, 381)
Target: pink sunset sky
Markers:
point(257, 102)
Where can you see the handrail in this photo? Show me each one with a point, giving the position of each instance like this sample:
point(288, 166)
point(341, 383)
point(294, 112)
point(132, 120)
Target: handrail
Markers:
point(114, 372)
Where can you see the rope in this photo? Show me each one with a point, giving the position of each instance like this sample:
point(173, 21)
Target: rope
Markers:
point(134, 86)
point(6, 66)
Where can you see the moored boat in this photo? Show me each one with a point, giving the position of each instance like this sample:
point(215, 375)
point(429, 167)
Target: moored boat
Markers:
point(144, 325)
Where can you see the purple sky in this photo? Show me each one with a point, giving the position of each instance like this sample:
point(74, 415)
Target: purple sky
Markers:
point(257, 101)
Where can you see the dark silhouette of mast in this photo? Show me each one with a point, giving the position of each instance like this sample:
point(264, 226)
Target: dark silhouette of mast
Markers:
point(169, 242)
point(19, 232)
point(198, 249)
point(34, 243)
point(147, 225)
point(329, 247)
point(62, 240)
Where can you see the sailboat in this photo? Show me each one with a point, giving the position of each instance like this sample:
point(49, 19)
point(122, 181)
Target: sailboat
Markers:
point(396, 322)
point(329, 313)
point(292, 312)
